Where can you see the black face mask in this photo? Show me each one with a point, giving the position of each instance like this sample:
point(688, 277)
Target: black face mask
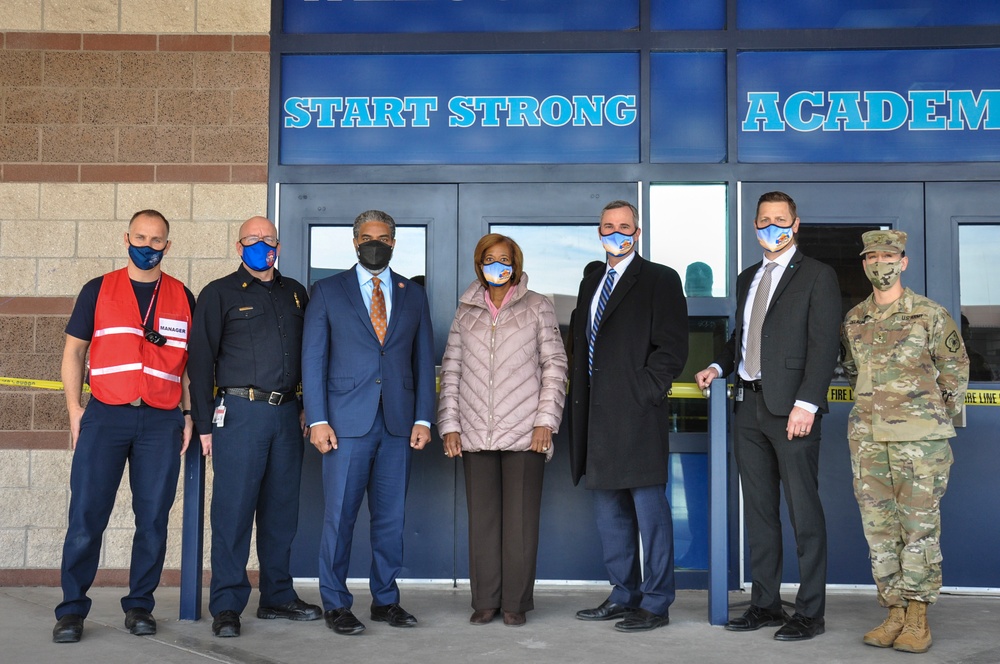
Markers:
point(374, 255)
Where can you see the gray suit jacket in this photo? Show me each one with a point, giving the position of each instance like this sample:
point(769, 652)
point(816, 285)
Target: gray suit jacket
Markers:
point(800, 338)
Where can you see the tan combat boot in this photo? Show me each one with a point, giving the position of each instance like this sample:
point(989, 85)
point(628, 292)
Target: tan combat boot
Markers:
point(885, 634)
point(916, 634)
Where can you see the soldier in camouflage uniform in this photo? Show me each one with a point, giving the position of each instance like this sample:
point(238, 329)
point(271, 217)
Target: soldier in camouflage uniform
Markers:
point(906, 361)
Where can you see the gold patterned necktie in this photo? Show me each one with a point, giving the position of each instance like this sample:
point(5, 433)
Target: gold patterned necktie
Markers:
point(751, 363)
point(378, 310)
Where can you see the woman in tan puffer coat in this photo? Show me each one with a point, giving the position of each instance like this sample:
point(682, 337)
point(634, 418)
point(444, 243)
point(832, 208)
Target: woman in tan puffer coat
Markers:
point(503, 385)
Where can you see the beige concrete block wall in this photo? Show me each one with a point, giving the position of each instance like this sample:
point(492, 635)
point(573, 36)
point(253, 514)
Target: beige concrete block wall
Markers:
point(108, 107)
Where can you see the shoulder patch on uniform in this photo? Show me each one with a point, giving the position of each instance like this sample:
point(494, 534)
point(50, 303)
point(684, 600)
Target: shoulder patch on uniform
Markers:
point(953, 343)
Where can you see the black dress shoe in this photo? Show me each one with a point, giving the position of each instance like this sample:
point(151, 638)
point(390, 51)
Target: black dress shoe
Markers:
point(342, 621)
point(140, 622)
point(800, 628)
point(756, 617)
point(642, 621)
point(294, 610)
point(68, 629)
point(226, 624)
point(393, 614)
point(608, 610)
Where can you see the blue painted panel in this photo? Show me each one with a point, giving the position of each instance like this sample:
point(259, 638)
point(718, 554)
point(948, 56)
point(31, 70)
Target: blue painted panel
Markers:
point(687, 15)
point(869, 106)
point(688, 107)
point(460, 109)
point(770, 14)
point(397, 16)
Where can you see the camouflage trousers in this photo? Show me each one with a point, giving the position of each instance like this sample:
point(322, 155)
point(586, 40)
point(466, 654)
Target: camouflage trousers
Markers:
point(899, 486)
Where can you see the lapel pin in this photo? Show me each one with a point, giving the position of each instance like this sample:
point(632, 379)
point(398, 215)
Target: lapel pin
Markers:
point(401, 284)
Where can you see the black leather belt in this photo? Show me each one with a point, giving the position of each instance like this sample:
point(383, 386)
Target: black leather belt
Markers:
point(752, 385)
point(257, 394)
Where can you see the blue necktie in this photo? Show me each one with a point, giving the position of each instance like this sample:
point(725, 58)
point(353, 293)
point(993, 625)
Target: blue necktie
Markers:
point(609, 283)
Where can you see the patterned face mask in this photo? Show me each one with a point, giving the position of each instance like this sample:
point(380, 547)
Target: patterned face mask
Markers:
point(617, 244)
point(774, 238)
point(497, 273)
point(883, 274)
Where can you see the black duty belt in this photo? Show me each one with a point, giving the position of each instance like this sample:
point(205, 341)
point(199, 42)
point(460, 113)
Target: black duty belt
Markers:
point(257, 394)
point(752, 385)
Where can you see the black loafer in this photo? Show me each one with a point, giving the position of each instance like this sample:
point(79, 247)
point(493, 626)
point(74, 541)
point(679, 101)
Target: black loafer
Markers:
point(342, 621)
point(756, 617)
point(800, 628)
point(226, 624)
point(393, 614)
point(68, 629)
point(294, 610)
point(608, 610)
point(642, 621)
point(140, 622)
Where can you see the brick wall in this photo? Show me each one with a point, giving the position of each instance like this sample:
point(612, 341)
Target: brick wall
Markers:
point(108, 107)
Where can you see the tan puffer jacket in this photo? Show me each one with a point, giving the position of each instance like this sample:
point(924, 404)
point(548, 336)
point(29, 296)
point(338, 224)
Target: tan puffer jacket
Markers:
point(499, 381)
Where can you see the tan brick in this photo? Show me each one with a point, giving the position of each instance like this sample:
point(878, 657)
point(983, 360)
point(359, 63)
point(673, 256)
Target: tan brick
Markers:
point(40, 106)
point(14, 469)
point(65, 276)
point(19, 143)
point(115, 106)
point(241, 145)
point(12, 547)
point(18, 201)
point(18, 277)
point(206, 270)
point(50, 469)
point(15, 408)
point(158, 15)
point(171, 200)
point(250, 107)
point(101, 239)
point(44, 549)
point(234, 16)
point(34, 366)
point(117, 549)
point(81, 69)
point(77, 201)
point(22, 68)
point(199, 240)
point(228, 201)
point(21, 15)
point(49, 413)
point(41, 172)
point(50, 332)
point(174, 544)
point(157, 145)
point(232, 71)
point(75, 144)
point(177, 267)
point(157, 70)
point(17, 334)
point(22, 238)
point(81, 15)
point(23, 508)
point(192, 107)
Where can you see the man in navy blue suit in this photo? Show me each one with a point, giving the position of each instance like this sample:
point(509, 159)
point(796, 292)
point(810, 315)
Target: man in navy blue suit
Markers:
point(368, 387)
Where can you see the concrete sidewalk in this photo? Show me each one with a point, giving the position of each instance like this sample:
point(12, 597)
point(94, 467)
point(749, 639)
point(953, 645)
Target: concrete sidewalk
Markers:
point(966, 630)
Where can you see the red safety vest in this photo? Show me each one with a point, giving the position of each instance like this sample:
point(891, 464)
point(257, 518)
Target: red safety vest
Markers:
point(123, 365)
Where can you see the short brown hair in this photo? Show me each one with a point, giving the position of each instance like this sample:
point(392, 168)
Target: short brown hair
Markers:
point(490, 240)
point(150, 213)
point(776, 197)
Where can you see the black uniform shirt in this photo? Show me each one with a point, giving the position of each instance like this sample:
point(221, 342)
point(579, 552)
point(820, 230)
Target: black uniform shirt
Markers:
point(246, 333)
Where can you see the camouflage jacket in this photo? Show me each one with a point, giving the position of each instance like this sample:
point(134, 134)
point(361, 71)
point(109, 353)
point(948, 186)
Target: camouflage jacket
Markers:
point(908, 368)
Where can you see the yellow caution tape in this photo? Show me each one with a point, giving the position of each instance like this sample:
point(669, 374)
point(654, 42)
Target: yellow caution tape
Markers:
point(982, 398)
point(39, 384)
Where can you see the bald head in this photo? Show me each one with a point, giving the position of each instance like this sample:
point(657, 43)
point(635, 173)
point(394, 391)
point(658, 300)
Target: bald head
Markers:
point(259, 226)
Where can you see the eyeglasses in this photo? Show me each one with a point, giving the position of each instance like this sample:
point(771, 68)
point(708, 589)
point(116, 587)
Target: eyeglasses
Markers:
point(251, 240)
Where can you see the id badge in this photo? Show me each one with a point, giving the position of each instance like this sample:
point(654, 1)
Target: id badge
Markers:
point(219, 418)
point(739, 393)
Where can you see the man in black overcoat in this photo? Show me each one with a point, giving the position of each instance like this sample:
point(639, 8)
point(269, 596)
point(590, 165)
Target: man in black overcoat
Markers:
point(783, 367)
point(630, 338)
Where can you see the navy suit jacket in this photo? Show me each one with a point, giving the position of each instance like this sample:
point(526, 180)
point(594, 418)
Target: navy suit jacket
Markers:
point(345, 370)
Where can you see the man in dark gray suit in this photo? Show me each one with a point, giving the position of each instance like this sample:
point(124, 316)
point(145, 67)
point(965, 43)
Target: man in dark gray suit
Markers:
point(631, 339)
point(784, 350)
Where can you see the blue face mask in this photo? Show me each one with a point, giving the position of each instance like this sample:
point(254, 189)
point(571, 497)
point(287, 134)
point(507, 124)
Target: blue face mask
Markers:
point(617, 244)
point(260, 256)
point(144, 258)
point(774, 238)
point(497, 273)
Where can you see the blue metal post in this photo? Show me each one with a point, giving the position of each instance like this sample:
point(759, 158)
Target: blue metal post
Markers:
point(718, 517)
point(192, 531)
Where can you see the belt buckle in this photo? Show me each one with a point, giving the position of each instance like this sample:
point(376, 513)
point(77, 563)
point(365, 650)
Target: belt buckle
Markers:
point(274, 399)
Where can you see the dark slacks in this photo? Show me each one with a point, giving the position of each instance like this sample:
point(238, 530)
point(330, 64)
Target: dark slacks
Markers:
point(504, 494)
point(377, 463)
point(149, 439)
point(622, 516)
point(768, 461)
point(257, 461)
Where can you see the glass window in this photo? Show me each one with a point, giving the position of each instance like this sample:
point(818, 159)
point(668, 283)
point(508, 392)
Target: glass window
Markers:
point(765, 14)
point(688, 231)
point(331, 250)
point(978, 247)
point(706, 338)
point(687, 15)
point(687, 491)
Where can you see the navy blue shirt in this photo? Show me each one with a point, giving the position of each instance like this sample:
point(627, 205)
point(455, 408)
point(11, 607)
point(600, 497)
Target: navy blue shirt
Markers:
point(81, 322)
